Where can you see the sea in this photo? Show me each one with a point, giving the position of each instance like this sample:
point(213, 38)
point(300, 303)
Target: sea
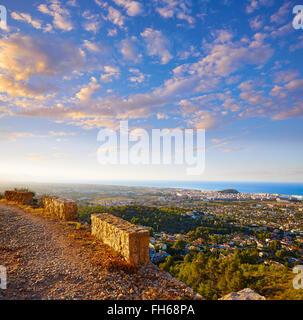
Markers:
point(243, 187)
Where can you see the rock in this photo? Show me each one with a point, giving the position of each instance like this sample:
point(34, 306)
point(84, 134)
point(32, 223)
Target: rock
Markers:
point(198, 297)
point(245, 294)
point(125, 238)
point(20, 197)
point(60, 208)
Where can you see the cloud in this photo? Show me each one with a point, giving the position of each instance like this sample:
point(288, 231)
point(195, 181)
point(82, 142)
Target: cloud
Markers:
point(192, 52)
point(256, 23)
point(112, 32)
point(72, 3)
point(110, 74)
point(23, 58)
point(191, 93)
point(226, 57)
point(133, 8)
point(129, 49)
point(293, 112)
point(87, 91)
point(297, 45)
point(91, 46)
point(282, 31)
point(25, 17)
point(157, 44)
point(257, 4)
point(282, 14)
point(204, 119)
point(115, 17)
point(92, 23)
point(285, 76)
point(61, 16)
point(92, 26)
point(174, 8)
point(61, 133)
point(138, 76)
point(222, 58)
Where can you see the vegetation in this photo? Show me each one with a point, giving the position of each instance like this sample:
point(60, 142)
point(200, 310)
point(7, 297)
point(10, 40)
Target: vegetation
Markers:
point(159, 219)
point(213, 277)
point(25, 190)
point(214, 273)
point(233, 191)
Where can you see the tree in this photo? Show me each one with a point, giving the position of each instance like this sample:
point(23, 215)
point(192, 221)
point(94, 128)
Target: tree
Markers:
point(280, 254)
point(180, 245)
point(169, 261)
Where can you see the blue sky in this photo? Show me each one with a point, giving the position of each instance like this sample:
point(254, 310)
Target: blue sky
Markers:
point(71, 68)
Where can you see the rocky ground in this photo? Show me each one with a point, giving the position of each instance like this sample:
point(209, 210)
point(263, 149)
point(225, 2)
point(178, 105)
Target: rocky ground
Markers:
point(48, 259)
point(245, 294)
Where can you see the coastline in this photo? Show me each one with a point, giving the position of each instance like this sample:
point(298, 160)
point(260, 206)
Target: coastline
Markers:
point(285, 189)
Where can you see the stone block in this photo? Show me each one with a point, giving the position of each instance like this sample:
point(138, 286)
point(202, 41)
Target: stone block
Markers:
point(20, 197)
point(60, 208)
point(130, 241)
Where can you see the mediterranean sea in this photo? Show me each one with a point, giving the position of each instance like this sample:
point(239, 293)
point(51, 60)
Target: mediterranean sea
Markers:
point(244, 187)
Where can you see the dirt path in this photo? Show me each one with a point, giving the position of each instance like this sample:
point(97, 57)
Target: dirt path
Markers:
point(43, 263)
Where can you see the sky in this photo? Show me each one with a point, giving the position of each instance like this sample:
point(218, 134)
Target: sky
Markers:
point(71, 68)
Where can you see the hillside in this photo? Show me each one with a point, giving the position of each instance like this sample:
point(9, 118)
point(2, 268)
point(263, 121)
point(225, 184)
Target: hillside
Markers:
point(49, 259)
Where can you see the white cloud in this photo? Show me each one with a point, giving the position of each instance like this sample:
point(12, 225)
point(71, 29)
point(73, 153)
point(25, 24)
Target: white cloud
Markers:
point(87, 91)
point(225, 58)
point(157, 44)
point(129, 49)
point(138, 76)
point(133, 8)
point(91, 46)
point(115, 17)
point(110, 74)
point(254, 5)
point(256, 23)
point(61, 16)
point(112, 32)
point(282, 14)
point(92, 23)
point(190, 53)
point(72, 3)
point(175, 8)
point(25, 17)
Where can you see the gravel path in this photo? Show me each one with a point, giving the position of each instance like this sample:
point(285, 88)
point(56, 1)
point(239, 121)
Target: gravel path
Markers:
point(43, 263)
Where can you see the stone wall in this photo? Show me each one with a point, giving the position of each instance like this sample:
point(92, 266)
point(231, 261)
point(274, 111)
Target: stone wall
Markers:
point(60, 208)
point(131, 241)
point(20, 197)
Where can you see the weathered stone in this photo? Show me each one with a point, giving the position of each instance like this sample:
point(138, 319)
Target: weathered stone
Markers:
point(20, 197)
point(245, 294)
point(60, 208)
point(125, 238)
